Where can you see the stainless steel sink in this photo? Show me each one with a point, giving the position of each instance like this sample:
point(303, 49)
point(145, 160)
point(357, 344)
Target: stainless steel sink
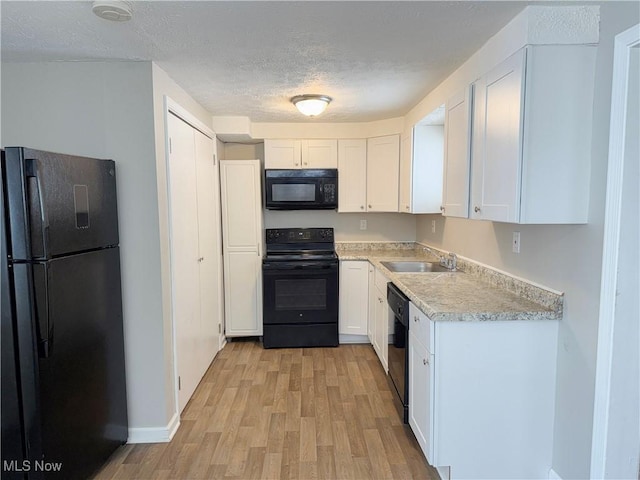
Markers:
point(414, 267)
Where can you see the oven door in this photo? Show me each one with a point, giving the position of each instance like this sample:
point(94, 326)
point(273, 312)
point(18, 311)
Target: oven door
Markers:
point(300, 292)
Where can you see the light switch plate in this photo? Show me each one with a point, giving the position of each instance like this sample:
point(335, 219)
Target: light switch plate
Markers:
point(363, 224)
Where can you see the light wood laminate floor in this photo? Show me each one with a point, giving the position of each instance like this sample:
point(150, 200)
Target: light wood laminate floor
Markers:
point(325, 413)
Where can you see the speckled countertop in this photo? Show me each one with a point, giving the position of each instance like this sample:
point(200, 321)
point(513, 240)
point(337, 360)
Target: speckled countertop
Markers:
point(474, 293)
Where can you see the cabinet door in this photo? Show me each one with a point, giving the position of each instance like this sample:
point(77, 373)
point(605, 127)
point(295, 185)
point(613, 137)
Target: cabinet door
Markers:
point(354, 297)
point(243, 293)
point(406, 160)
point(241, 205)
point(373, 300)
point(352, 175)
point(383, 166)
point(497, 142)
point(282, 153)
point(420, 395)
point(382, 328)
point(319, 154)
point(457, 128)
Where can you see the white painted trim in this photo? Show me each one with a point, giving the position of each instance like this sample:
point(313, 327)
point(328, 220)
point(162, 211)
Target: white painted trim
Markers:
point(348, 338)
point(155, 434)
point(623, 42)
point(553, 475)
point(175, 108)
point(168, 103)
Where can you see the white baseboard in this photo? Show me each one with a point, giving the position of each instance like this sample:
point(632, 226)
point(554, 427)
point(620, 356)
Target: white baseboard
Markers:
point(553, 475)
point(444, 472)
point(155, 434)
point(350, 338)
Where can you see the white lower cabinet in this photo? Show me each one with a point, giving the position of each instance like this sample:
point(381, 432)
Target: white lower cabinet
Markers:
point(354, 298)
point(481, 395)
point(379, 317)
point(420, 394)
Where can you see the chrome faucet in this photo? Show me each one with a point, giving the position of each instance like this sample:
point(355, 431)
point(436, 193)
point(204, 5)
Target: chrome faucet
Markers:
point(450, 261)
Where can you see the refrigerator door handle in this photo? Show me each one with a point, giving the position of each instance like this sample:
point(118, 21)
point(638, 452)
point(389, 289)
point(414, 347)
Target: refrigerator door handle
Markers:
point(32, 171)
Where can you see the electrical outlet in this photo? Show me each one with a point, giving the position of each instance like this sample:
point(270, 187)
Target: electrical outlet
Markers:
point(363, 224)
point(515, 244)
point(433, 226)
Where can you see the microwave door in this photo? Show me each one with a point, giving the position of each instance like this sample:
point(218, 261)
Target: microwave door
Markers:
point(292, 193)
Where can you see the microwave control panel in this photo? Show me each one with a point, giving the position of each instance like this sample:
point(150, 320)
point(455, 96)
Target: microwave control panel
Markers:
point(329, 192)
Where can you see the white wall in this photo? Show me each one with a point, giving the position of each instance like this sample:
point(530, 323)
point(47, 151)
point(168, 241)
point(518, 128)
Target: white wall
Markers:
point(380, 226)
point(163, 86)
point(115, 110)
point(105, 110)
point(564, 257)
point(241, 151)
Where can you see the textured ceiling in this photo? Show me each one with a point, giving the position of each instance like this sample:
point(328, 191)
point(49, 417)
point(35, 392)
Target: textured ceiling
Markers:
point(376, 59)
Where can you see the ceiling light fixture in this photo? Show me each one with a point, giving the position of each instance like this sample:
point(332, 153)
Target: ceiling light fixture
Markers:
point(311, 105)
point(114, 10)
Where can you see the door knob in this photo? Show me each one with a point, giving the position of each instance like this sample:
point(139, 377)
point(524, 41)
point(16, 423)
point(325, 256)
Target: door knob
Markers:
point(477, 209)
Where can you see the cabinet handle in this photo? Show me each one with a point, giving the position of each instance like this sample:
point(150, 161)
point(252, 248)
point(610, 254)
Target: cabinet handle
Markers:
point(425, 361)
point(296, 164)
point(476, 209)
point(361, 207)
point(441, 208)
point(407, 208)
point(201, 259)
point(306, 163)
point(416, 318)
point(369, 206)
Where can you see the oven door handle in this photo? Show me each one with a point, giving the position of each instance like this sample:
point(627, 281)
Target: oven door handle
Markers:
point(300, 266)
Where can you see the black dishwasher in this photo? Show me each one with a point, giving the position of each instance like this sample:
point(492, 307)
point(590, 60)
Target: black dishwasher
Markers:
point(398, 346)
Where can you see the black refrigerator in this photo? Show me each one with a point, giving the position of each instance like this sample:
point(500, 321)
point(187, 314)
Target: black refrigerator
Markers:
point(63, 409)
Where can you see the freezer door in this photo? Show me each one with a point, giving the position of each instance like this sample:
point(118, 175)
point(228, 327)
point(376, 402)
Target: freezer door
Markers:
point(82, 377)
point(59, 204)
point(18, 407)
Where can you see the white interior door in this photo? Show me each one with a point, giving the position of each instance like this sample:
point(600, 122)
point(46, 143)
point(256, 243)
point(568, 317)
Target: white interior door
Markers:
point(209, 247)
point(616, 436)
point(183, 206)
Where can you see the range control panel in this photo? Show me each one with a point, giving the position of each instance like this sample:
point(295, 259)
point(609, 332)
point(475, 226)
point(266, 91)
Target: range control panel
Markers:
point(299, 235)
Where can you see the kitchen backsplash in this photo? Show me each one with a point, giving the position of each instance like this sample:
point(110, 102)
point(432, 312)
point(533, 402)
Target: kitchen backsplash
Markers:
point(380, 227)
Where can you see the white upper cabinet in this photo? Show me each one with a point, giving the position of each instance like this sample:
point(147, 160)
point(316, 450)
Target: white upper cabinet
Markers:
point(457, 141)
point(383, 168)
point(421, 159)
point(282, 153)
point(531, 143)
point(352, 175)
point(301, 153)
point(319, 154)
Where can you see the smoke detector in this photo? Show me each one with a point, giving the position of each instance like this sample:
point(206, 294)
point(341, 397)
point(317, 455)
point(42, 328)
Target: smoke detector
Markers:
point(114, 10)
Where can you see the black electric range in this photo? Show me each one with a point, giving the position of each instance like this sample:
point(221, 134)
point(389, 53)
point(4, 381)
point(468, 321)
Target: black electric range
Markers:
point(300, 288)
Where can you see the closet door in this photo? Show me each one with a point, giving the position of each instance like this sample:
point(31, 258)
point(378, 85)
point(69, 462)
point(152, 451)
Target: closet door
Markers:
point(210, 255)
point(185, 274)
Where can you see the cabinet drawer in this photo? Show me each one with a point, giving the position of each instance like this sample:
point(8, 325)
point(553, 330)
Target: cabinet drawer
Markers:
point(381, 282)
point(422, 327)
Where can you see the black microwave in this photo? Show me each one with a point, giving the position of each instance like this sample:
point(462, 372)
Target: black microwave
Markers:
point(303, 189)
